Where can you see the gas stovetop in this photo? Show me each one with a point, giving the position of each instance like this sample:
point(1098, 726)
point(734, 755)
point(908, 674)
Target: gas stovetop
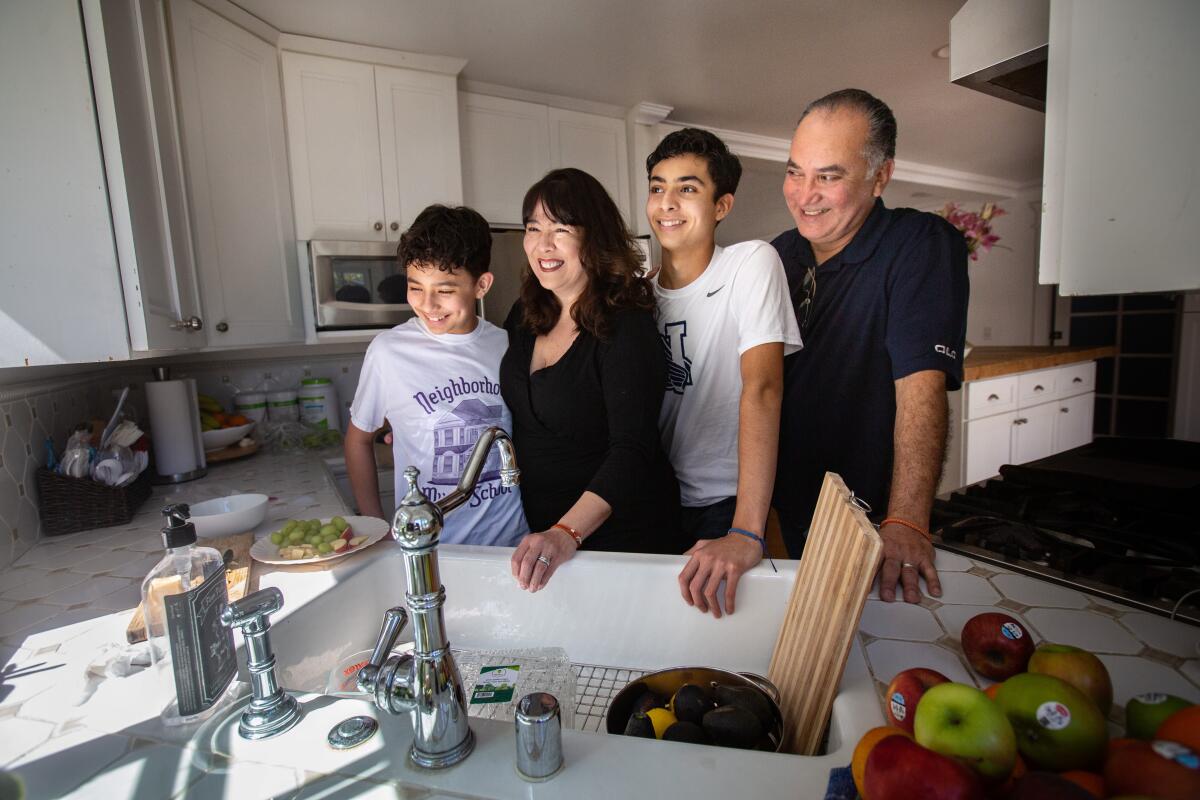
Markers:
point(1118, 519)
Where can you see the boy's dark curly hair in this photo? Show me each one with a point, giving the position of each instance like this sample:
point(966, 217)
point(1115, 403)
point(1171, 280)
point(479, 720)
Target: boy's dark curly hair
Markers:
point(723, 166)
point(449, 239)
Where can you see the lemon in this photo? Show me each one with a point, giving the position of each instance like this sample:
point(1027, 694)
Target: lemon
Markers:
point(661, 719)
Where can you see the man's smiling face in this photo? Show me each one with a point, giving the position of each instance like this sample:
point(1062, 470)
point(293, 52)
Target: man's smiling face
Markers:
point(829, 186)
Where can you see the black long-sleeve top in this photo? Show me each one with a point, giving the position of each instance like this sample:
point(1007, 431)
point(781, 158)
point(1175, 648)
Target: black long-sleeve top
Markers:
point(589, 422)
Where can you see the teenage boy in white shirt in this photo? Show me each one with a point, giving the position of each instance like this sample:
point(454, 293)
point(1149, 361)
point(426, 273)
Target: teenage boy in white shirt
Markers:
point(726, 321)
point(435, 378)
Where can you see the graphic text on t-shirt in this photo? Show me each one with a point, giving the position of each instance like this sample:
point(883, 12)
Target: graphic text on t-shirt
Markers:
point(455, 387)
point(679, 366)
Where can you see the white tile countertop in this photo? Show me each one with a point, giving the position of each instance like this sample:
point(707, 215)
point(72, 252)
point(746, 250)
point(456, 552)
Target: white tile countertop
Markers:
point(66, 603)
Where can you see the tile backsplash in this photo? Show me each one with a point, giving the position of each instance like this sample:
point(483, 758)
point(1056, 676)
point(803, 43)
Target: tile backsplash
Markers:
point(34, 410)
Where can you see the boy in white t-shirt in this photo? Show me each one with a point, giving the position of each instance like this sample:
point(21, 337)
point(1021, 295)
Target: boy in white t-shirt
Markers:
point(726, 321)
point(436, 379)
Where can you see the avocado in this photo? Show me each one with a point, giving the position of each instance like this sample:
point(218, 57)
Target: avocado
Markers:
point(731, 726)
point(691, 703)
point(639, 725)
point(750, 699)
point(686, 732)
point(646, 701)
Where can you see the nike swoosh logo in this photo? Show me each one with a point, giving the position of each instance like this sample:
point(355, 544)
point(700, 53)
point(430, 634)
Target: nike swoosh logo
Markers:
point(714, 291)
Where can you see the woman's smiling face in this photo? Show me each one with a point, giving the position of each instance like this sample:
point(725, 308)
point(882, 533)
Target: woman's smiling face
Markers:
point(554, 253)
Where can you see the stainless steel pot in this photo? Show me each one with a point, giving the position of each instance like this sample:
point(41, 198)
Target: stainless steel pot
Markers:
point(666, 682)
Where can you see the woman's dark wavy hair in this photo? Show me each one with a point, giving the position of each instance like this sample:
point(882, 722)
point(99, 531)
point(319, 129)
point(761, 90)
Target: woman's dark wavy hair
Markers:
point(610, 257)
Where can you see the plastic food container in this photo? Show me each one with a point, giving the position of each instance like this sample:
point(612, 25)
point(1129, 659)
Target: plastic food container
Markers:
point(282, 406)
point(319, 403)
point(251, 405)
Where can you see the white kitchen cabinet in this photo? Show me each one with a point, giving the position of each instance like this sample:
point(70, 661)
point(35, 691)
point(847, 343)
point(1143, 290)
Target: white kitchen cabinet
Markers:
point(231, 115)
point(508, 145)
point(1033, 433)
point(1015, 419)
point(505, 150)
point(370, 146)
point(595, 145)
point(1073, 424)
point(1122, 115)
point(987, 443)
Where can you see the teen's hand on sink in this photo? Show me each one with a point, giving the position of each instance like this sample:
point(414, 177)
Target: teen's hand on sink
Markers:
point(539, 555)
point(714, 560)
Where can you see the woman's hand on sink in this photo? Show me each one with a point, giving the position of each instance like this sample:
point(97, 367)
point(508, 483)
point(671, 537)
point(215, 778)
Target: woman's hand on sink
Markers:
point(539, 555)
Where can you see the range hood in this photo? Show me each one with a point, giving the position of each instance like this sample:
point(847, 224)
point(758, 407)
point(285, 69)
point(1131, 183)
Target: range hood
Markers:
point(999, 47)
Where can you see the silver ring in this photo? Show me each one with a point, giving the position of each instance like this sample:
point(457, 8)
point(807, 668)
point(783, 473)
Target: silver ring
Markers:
point(545, 560)
point(904, 564)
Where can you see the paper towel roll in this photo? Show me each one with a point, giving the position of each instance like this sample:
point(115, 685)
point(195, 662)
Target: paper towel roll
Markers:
point(175, 427)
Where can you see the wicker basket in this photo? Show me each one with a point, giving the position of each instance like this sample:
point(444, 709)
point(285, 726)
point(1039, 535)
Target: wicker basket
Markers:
point(78, 504)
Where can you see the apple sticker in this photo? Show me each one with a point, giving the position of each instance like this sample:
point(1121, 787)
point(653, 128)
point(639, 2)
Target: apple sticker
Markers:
point(1152, 698)
point(1011, 630)
point(1053, 715)
point(1177, 753)
point(898, 709)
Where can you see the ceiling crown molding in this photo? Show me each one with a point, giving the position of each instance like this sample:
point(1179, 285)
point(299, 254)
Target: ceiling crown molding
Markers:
point(646, 113)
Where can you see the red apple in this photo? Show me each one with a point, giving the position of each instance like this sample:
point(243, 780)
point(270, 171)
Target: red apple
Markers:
point(1077, 667)
point(960, 721)
point(1160, 769)
point(900, 769)
point(1058, 727)
point(905, 690)
point(996, 645)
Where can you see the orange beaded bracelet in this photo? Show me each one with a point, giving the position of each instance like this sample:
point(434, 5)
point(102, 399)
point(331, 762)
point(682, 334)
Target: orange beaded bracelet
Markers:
point(910, 525)
point(569, 531)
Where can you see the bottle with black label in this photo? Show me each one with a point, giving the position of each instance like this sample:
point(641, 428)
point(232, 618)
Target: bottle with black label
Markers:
point(190, 649)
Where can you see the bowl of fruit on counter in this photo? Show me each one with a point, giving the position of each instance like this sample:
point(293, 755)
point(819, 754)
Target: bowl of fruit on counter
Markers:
point(219, 429)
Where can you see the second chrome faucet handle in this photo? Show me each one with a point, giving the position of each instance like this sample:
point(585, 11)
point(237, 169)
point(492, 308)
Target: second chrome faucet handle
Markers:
point(394, 620)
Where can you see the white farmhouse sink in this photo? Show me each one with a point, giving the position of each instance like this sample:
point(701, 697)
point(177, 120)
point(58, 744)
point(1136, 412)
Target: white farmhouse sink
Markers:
point(613, 609)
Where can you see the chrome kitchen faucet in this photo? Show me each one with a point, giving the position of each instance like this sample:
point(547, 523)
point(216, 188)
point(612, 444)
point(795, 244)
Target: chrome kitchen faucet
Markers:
point(426, 683)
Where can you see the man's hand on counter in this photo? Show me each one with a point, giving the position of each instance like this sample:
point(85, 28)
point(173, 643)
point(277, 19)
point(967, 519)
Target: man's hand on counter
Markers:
point(906, 554)
point(714, 560)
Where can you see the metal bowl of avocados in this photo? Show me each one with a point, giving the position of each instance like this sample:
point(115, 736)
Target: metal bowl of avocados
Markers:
point(666, 682)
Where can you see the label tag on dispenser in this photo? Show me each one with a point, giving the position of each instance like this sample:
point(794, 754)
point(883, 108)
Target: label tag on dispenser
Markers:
point(202, 649)
point(495, 685)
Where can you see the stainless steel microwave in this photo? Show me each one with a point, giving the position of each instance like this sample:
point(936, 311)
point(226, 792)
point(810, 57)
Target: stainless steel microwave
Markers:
point(357, 285)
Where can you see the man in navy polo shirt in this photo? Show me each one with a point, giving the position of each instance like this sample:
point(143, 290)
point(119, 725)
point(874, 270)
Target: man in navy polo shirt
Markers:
point(881, 298)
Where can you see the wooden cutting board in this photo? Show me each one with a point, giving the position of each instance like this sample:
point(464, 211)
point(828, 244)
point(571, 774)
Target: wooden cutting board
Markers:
point(230, 453)
point(237, 578)
point(835, 576)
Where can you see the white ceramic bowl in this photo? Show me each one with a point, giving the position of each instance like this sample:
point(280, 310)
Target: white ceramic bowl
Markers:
point(224, 516)
point(223, 437)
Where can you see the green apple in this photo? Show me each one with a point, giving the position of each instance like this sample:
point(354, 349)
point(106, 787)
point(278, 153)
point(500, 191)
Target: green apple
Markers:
point(1077, 667)
point(963, 723)
point(1144, 713)
point(1057, 726)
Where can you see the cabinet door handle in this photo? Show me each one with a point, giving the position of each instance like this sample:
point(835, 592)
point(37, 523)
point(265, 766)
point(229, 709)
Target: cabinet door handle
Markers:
point(395, 226)
point(1065, 410)
point(1076, 379)
point(1020, 421)
point(992, 397)
point(190, 324)
point(1039, 388)
point(378, 226)
point(222, 327)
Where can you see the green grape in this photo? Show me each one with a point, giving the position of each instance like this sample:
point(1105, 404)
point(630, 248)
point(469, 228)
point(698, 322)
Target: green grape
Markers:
point(324, 547)
point(296, 536)
point(339, 523)
point(328, 529)
point(287, 526)
point(277, 538)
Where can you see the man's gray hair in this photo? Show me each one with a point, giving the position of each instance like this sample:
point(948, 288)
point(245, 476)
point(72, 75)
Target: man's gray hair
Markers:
point(881, 123)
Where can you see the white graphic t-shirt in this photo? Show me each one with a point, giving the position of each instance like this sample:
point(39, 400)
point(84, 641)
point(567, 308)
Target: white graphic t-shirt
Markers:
point(740, 301)
point(439, 393)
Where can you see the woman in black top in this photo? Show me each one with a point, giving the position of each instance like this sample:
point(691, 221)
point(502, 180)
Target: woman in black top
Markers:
point(584, 377)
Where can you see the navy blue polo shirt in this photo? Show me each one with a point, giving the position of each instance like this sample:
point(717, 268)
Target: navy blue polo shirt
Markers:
point(892, 303)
